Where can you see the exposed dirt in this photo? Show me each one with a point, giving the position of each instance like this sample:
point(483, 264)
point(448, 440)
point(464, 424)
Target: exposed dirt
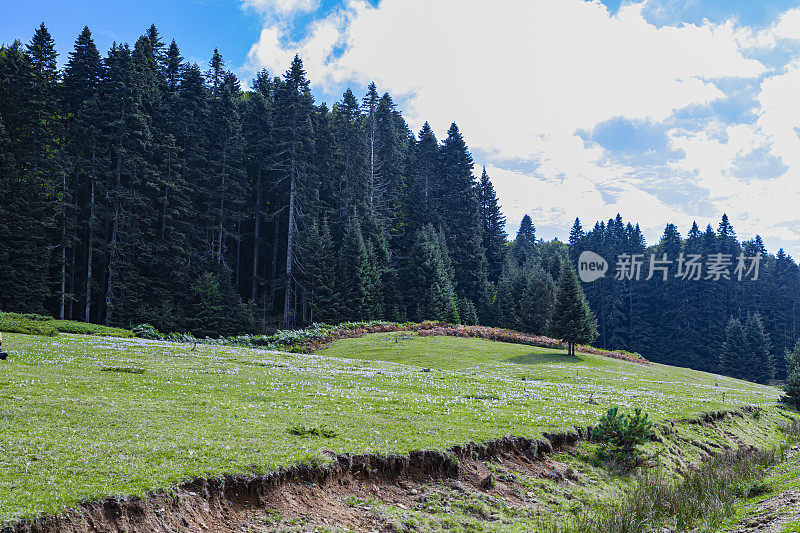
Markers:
point(335, 496)
point(311, 496)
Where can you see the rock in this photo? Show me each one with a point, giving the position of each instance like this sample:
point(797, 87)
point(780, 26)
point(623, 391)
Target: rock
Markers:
point(458, 486)
point(530, 495)
point(413, 492)
point(487, 483)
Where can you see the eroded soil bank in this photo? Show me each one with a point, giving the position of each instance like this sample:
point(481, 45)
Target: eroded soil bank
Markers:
point(511, 483)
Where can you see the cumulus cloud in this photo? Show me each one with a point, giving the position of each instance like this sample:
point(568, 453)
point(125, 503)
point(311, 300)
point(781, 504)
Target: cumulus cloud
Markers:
point(281, 6)
point(526, 80)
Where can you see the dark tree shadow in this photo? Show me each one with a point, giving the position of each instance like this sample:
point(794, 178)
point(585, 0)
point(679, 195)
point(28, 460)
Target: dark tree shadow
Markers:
point(543, 358)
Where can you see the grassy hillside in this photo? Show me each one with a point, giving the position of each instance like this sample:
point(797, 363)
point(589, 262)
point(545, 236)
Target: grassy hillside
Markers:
point(86, 417)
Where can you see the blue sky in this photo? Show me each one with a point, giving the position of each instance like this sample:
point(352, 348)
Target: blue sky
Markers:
point(663, 110)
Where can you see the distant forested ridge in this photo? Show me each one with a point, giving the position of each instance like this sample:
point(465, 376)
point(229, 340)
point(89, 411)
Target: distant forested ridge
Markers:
point(683, 321)
point(136, 187)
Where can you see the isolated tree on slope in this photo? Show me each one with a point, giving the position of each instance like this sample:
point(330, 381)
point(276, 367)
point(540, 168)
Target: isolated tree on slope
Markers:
point(792, 385)
point(571, 321)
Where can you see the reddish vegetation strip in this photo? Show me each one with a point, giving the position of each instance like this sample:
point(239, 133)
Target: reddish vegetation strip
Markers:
point(433, 329)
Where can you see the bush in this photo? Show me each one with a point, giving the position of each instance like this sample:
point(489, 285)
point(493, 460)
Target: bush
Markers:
point(623, 431)
point(12, 323)
point(146, 331)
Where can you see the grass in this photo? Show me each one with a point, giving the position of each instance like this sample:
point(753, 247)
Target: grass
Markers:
point(704, 498)
point(110, 430)
point(33, 324)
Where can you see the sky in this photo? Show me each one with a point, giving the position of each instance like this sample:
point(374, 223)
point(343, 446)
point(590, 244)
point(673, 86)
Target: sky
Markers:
point(661, 110)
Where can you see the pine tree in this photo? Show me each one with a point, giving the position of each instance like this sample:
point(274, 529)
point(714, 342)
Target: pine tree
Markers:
point(735, 355)
point(459, 211)
point(215, 308)
point(760, 363)
point(792, 385)
point(524, 248)
point(571, 320)
point(322, 274)
point(576, 236)
point(428, 279)
point(295, 127)
point(354, 273)
point(423, 189)
point(494, 233)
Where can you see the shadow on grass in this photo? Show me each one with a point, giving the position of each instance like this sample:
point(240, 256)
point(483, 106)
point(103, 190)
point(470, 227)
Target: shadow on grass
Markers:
point(543, 358)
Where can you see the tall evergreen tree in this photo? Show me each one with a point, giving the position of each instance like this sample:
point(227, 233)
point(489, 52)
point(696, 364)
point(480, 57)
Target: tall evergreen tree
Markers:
point(571, 319)
point(735, 356)
point(760, 363)
point(493, 221)
point(524, 247)
point(459, 212)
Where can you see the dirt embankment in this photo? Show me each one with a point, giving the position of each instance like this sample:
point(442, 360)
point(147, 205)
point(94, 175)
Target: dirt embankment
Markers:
point(313, 495)
point(332, 496)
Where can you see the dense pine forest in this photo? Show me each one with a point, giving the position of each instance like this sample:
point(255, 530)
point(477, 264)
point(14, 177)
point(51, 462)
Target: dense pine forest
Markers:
point(139, 188)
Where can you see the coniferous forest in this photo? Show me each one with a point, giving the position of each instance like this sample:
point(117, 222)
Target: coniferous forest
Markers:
point(138, 188)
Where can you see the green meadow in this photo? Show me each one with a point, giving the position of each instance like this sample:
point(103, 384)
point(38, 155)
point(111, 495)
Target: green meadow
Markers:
point(85, 417)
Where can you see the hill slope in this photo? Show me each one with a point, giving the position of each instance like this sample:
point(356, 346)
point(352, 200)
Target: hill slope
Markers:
point(85, 417)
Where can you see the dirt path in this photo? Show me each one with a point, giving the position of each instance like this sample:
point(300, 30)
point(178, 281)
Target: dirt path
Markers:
point(779, 512)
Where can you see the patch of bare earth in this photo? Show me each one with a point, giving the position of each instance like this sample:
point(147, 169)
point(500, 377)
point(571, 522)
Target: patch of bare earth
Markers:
point(303, 498)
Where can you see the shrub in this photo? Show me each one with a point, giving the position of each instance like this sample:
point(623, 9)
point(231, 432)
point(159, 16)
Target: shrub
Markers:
point(303, 431)
point(11, 323)
point(623, 431)
point(146, 331)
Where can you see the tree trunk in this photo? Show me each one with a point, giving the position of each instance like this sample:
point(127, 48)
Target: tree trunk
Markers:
point(273, 277)
point(71, 289)
point(88, 309)
point(165, 202)
point(63, 247)
point(112, 256)
point(287, 300)
point(256, 234)
point(221, 210)
point(112, 264)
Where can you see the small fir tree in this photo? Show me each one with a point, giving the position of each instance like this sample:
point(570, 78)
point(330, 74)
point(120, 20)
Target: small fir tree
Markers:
point(571, 320)
point(792, 385)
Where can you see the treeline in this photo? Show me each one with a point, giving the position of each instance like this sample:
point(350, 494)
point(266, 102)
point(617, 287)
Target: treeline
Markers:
point(741, 328)
point(139, 188)
point(136, 187)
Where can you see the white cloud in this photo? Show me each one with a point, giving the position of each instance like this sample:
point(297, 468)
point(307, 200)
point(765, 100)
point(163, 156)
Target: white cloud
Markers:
point(522, 76)
point(281, 6)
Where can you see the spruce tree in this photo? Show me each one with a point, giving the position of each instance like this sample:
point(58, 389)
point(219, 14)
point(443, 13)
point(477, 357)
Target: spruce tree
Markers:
point(322, 274)
point(427, 279)
point(735, 355)
point(459, 213)
point(524, 247)
point(571, 320)
point(493, 222)
point(760, 364)
point(792, 385)
point(355, 274)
